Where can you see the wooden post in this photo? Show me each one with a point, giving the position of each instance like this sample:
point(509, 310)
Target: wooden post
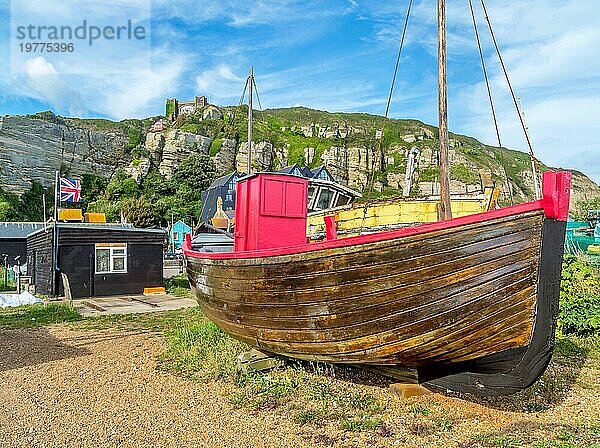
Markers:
point(250, 82)
point(445, 206)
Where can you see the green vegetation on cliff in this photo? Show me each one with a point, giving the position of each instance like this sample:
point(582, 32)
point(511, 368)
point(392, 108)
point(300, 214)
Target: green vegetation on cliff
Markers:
point(345, 141)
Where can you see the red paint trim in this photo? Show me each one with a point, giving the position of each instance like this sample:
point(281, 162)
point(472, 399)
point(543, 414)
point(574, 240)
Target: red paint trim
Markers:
point(556, 188)
point(370, 238)
point(330, 227)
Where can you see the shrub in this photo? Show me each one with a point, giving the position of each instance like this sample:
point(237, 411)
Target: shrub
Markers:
point(579, 297)
point(215, 146)
point(178, 286)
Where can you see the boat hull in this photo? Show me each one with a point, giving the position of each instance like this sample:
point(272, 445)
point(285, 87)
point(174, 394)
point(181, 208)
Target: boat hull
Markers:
point(513, 370)
point(452, 303)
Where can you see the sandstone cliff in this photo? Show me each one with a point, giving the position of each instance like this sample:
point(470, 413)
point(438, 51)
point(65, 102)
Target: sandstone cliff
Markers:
point(349, 145)
point(34, 149)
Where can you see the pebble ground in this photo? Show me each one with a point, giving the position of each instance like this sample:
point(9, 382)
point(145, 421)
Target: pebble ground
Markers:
point(62, 387)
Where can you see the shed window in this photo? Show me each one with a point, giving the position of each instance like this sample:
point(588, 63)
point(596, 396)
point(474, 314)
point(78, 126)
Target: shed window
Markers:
point(176, 236)
point(111, 258)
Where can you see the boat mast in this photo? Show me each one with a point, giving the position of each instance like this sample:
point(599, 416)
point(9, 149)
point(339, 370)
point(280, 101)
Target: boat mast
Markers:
point(250, 83)
point(445, 207)
point(536, 185)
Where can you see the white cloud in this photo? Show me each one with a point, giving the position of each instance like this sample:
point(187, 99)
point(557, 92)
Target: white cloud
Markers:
point(220, 83)
point(549, 50)
point(42, 81)
point(548, 55)
point(141, 91)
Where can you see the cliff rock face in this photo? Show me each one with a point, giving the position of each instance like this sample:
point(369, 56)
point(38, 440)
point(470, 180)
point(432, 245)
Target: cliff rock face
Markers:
point(34, 149)
point(225, 157)
point(155, 142)
point(138, 169)
point(263, 155)
point(211, 113)
point(177, 147)
point(351, 166)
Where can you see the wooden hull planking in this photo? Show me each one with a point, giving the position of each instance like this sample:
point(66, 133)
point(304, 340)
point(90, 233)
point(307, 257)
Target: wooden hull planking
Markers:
point(448, 296)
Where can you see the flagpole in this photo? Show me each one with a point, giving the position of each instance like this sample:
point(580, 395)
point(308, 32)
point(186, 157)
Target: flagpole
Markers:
point(55, 254)
point(44, 209)
point(56, 194)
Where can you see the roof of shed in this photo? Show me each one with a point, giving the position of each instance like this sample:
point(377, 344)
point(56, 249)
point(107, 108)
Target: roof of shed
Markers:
point(104, 226)
point(17, 230)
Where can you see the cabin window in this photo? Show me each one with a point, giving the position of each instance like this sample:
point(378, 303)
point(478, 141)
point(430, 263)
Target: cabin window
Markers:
point(324, 200)
point(311, 194)
point(342, 200)
point(176, 236)
point(111, 258)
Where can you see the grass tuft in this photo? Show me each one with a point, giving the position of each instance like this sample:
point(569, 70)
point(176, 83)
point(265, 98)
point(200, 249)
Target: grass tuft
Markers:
point(201, 350)
point(29, 316)
point(178, 286)
point(364, 423)
point(497, 440)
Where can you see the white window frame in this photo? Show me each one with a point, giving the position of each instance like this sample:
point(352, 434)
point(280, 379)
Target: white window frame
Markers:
point(112, 248)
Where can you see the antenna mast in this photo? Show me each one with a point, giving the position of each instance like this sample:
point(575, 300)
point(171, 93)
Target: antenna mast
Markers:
point(445, 206)
point(250, 84)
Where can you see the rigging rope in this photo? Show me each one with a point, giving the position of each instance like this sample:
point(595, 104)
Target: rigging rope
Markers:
point(235, 111)
point(512, 92)
point(489, 91)
point(389, 101)
point(257, 95)
point(387, 109)
point(487, 83)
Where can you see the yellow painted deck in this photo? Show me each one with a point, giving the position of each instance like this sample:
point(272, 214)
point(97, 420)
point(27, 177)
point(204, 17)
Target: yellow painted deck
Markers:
point(352, 219)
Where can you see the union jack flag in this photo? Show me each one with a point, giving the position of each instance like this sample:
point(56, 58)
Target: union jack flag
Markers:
point(70, 190)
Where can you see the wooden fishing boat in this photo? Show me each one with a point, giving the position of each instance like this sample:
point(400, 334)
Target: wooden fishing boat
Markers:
point(469, 303)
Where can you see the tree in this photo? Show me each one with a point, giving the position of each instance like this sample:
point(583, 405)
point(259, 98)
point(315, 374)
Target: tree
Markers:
point(197, 172)
point(31, 203)
point(138, 212)
point(122, 186)
point(92, 188)
point(112, 209)
point(9, 206)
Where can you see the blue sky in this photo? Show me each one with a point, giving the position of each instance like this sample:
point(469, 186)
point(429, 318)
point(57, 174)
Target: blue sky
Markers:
point(338, 55)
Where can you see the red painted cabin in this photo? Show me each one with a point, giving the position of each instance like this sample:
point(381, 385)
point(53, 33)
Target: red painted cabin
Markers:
point(270, 212)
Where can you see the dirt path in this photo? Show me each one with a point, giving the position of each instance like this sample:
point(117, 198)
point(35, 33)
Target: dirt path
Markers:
point(66, 388)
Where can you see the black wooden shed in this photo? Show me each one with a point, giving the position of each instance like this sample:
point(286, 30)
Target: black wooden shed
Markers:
point(13, 240)
point(98, 259)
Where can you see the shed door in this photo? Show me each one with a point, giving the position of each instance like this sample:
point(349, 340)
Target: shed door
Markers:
point(77, 263)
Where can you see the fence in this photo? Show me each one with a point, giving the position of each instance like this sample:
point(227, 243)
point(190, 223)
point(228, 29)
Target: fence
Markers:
point(8, 281)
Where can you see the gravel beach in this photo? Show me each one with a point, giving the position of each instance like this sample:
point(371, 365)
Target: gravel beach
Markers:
point(63, 387)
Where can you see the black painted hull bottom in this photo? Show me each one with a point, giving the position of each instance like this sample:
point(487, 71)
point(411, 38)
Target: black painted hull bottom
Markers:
point(513, 370)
